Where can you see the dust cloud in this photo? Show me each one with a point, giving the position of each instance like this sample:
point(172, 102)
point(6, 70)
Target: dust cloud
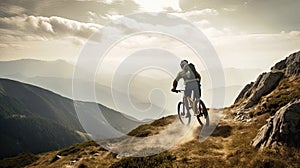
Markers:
point(172, 135)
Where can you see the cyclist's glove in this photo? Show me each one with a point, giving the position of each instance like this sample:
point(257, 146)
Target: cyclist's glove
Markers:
point(174, 90)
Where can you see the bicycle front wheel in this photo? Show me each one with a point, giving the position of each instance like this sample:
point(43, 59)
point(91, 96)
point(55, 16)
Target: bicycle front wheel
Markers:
point(182, 114)
point(202, 115)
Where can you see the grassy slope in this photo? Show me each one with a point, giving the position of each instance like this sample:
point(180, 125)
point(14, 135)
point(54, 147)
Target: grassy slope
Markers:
point(228, 146)
point(36, 120)
point(287, 90)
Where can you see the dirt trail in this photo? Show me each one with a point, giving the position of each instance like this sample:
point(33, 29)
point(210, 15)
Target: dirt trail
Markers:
point(174, 136)
point(171, 136)
point(213, 140)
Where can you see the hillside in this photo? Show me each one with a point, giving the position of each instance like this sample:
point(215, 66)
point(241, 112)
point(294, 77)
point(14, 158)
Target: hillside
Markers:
point(36, 120)
point(228, 146)
point(275, 94)
point(261, 129)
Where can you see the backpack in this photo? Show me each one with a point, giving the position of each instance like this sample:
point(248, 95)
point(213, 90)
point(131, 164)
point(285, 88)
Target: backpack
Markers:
point(194, 71)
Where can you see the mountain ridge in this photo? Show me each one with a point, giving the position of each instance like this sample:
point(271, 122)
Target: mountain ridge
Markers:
point(50, 119)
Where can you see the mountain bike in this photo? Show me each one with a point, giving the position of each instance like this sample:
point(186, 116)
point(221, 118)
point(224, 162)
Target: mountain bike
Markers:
point(195, 105)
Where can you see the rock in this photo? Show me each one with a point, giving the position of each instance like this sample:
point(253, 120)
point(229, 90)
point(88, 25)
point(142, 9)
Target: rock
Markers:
point(250, 88)
point(293, 64)
point(266, 83)
point(55, 158)
point(279, 65)
point(290, 65)
point(243, 92)
point(282, 128)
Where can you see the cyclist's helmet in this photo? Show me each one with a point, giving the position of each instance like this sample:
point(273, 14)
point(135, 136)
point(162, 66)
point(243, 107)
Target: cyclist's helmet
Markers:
point(183, 63)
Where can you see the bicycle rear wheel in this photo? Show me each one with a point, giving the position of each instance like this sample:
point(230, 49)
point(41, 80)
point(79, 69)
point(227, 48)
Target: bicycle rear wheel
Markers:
point(202, 116)
point(182, 114)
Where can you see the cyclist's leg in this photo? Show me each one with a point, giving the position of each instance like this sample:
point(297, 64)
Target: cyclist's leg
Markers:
point(199, 88)
point(187, 95)
point(186, 105)
point(196, 92)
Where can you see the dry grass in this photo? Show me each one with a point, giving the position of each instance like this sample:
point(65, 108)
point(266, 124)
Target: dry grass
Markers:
point(154, 128)
point(228, 146)
point(20, 160)
point(287, 90)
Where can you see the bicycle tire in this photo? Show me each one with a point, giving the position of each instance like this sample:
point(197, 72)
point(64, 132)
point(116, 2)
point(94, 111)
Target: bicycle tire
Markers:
point(202, 117)
point(183, 119)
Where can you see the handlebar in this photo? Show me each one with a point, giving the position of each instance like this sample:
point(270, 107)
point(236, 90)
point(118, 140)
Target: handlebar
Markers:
point(178, 91)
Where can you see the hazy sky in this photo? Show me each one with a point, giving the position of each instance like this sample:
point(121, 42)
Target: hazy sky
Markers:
point(245, 33)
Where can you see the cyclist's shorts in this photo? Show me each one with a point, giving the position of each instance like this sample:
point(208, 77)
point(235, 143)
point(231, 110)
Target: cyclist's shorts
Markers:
point(194, 87)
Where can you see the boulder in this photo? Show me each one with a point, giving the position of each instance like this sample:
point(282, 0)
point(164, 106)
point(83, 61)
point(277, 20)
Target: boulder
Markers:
point(282, 129)
point(266, 84)
point(293, 64)
point(279, 65)
point(249, 88)
point(243, 92)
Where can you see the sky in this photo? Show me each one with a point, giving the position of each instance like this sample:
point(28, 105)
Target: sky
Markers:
point(244, 33)
point(248, 35)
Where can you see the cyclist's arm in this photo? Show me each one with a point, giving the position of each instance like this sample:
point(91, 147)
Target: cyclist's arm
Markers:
point(175, 82)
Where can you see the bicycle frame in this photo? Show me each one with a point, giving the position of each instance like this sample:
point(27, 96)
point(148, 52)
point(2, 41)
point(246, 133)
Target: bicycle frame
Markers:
point(192, 102)
point(197, 106)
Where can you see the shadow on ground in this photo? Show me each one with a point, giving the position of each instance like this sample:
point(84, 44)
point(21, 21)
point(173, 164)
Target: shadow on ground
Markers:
point(222, 131)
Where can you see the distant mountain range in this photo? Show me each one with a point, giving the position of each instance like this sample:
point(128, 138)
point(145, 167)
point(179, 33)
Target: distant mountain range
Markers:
point(35, 120)
point(33, 68)
point(57, 77)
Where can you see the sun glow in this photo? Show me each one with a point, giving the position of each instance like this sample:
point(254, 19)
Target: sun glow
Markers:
point(158, 6)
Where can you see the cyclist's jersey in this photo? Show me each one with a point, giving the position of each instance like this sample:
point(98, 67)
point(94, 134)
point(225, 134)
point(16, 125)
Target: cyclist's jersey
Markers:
point(187, 76)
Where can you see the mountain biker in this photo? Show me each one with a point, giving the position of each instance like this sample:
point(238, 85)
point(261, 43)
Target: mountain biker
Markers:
point(191, 80)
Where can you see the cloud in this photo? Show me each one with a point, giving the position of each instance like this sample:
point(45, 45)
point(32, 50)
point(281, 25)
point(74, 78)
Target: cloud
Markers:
point(202, 12)
point(218, 4)
point(48, 27)
point(158, 6)
point(229, 9)
point(255, 50)
point(12, 10)
point(112, 17)
point(71, 9)
point(294, 34)
point(196, 15)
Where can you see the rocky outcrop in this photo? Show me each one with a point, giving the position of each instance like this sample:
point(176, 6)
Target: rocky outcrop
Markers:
point(279, 65)
point(264, 84)
point(290, 65)
point(282, 129)
point(244, 92)
point(267, 82)
point(293, 64)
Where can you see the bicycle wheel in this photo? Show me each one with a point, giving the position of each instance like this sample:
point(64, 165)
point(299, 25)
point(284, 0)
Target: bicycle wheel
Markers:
point(184, 119)
point(202, 116)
